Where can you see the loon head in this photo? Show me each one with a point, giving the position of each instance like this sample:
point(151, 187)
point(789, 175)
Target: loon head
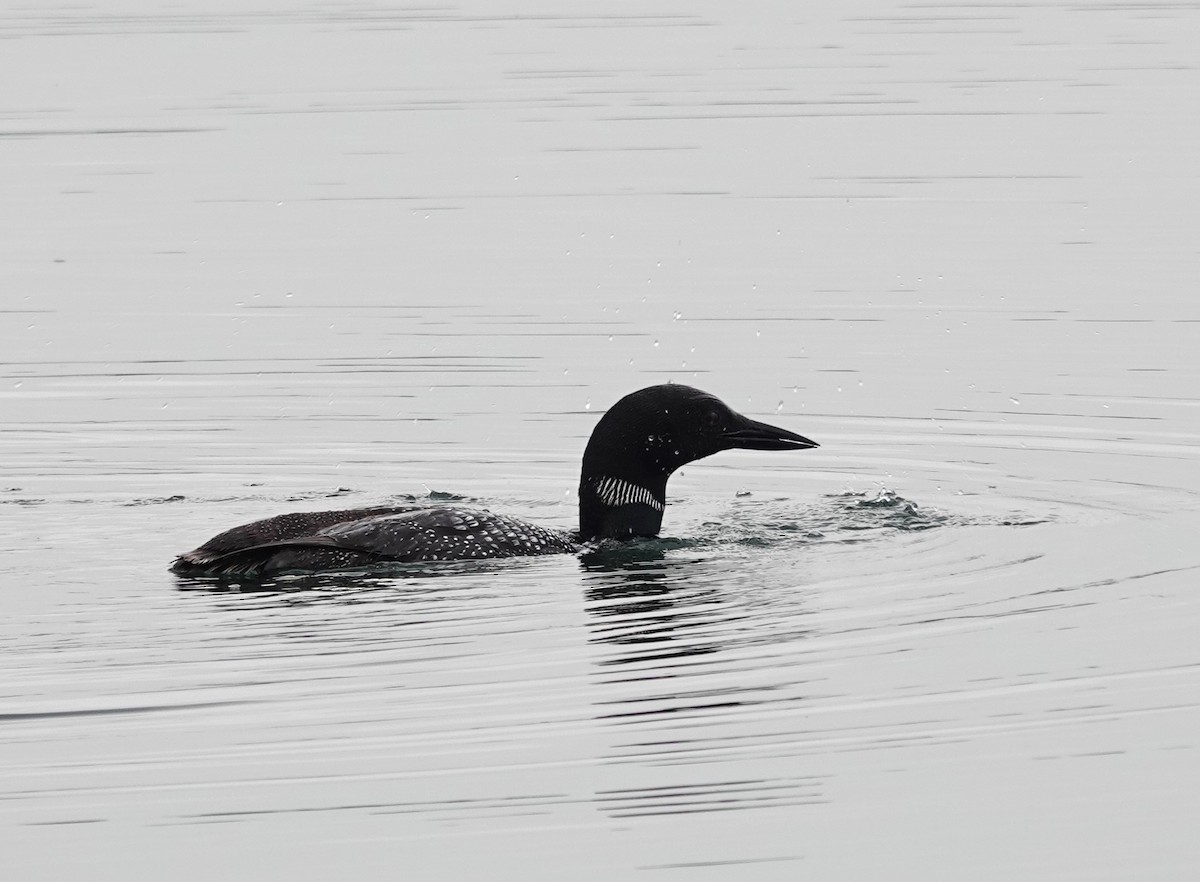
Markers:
point(646, 436)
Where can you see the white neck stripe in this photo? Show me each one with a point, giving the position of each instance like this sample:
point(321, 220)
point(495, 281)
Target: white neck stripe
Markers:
point(614, 491)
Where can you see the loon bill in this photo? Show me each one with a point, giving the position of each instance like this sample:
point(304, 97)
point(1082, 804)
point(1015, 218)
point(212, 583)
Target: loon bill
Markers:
point(634, 448)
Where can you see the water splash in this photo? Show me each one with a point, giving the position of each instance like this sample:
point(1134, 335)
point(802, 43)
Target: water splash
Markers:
point(849, 516)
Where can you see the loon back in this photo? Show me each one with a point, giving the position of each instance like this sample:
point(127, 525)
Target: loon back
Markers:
point(632, 452)
point(363, 537)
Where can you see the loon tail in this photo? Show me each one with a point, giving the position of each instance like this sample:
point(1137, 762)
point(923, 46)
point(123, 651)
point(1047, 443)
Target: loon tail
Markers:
point(271, 558)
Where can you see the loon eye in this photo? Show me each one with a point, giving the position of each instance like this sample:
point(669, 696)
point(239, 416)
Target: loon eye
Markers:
point(712, 419)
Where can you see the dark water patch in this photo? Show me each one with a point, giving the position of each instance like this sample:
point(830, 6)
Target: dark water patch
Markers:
point(154, 500)
point(693, 865)
point(111, 711)
point(464, 807)
point(62, 823)
point(715, 796)
point(24, 500)
point(308, 495)
point(319, 494)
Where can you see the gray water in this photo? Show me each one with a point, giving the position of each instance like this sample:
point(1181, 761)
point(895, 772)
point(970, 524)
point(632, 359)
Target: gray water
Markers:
point(313, 256)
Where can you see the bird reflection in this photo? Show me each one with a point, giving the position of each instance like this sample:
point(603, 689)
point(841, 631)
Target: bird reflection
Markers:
point(671, 678)
point(654, 609)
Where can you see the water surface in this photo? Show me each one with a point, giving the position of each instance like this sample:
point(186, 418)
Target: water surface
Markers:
point(302, 256)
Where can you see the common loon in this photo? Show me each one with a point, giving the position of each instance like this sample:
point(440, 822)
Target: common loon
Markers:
point(634, 448)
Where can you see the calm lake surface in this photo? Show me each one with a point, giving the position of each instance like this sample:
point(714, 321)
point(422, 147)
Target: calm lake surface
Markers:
point(294, 256)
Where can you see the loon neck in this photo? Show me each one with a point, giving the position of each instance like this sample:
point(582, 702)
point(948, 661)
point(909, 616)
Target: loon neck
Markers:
point(620, 508)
